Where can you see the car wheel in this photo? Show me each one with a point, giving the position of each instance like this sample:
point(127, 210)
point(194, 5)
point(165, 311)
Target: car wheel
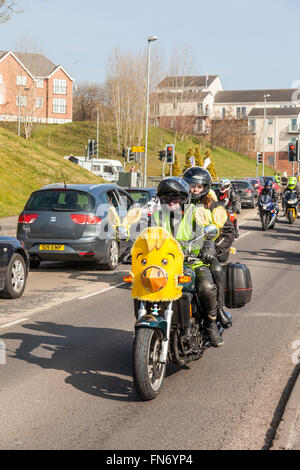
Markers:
point(113, 255)
point(15, 278)
point(252, 205)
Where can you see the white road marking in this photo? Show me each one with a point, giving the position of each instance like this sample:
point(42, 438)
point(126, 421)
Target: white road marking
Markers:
point(6, 325)
point(241, 236)
point(102, 291)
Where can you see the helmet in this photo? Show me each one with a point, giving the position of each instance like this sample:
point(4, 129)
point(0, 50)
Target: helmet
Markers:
point(224, 185)
point(197, 175)
point(268, 183)
point(173, 188)
point(292, 182)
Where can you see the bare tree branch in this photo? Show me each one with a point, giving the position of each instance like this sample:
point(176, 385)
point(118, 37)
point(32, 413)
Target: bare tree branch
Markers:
point(7, 9)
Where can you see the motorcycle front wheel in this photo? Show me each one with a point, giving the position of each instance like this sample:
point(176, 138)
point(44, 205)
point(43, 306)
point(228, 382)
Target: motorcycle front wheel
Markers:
point(265, 221)
point(148, 372)
point(291, 217)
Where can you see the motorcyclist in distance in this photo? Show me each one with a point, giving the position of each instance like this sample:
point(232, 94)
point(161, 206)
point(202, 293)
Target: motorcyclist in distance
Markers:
point(227, 197)
point(269, 190)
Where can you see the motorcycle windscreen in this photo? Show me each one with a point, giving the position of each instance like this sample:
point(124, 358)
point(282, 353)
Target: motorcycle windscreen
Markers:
point(157, 263)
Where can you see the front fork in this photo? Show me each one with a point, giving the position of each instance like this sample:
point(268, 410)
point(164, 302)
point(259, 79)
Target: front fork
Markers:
point(163, 323)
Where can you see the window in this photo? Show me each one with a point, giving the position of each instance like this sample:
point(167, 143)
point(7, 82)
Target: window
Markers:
point(244, 112)
point(223, 113)
point(39, 83)
point(39, 102)
point(59, 87)
point(270, 141)
point(112, 199)
point(21, 80)
point(21, 100)
point(199, 108)
point(252, 125)
point(294, 124)
point(270, 122)
point(238, 113)
point(59, 106)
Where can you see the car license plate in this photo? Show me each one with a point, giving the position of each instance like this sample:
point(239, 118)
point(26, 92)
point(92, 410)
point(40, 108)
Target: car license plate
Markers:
point(52, 247)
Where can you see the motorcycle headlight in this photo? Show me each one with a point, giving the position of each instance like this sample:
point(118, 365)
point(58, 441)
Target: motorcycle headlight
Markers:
point(265, 206)
point(293, 201)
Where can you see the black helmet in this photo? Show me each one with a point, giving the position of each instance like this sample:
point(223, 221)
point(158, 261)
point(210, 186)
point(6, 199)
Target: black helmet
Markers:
point(268, 183)
point(172, 188)
point(198, 175)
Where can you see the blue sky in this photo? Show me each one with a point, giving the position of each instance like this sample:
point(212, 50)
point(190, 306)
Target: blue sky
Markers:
point(249, 43)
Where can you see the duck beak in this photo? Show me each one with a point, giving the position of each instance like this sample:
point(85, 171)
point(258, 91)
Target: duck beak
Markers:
point(154, 278)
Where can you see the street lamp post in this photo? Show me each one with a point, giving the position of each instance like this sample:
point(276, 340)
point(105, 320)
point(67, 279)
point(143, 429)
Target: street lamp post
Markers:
point(264, 138)
point(150, 39)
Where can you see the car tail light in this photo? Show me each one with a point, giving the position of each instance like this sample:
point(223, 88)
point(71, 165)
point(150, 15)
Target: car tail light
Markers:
point(27, 218)
point(84, 219)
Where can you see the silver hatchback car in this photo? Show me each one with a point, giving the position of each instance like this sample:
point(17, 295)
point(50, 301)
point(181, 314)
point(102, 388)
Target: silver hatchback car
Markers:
point(69, 223)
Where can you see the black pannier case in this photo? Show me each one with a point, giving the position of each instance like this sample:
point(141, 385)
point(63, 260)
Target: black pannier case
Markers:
point(238, 285)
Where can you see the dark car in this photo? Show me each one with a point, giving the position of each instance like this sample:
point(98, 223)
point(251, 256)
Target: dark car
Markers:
point(246, 192)
point(141, 195)
point(14, 266)
point(69, 223)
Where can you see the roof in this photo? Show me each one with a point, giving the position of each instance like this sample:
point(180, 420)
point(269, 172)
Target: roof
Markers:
point(187, 81)
point(258, 112)
point(79, 186)
point(254, 96)
point(37, 64)
point(185, 96)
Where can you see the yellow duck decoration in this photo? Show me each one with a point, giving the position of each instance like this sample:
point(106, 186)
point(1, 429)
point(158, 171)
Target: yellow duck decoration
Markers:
point(157, 263)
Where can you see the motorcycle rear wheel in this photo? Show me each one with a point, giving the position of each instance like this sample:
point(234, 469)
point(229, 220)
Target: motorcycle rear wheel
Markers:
point(148, 372)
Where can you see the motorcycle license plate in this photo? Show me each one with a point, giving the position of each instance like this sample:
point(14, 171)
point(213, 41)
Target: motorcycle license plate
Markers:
point(47, 247)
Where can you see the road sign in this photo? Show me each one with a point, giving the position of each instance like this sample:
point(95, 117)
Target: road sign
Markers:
point(138, 149)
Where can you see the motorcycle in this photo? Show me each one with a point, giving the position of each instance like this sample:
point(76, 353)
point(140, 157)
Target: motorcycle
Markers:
point(168, 331)
point(290, 204)
point(267, 211)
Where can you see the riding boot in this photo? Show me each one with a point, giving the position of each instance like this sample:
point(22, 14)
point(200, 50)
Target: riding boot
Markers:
point(214, 334)
point(223, 318)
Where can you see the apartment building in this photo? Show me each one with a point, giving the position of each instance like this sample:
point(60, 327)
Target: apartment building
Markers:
point(199, 104)
point(31, 86)
point(185, 103)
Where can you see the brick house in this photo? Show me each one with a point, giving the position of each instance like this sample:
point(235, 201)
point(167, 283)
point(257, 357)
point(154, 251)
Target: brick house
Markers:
point(31, 86)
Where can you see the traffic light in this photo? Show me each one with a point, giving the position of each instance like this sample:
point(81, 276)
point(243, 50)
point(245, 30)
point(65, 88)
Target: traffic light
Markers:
point(170, 153)
point(130, 155)
point(293, 151)
point(161, 154)
point(124, 153)
point(95, 149)
point(259, 158)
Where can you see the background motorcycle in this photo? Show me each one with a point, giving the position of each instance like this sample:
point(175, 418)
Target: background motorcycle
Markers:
point(267, 212)
point(290, 204)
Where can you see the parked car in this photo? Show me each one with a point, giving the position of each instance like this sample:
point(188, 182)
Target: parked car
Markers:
point(69, 223)
point(246, 192)
point(141, 195)
point(14, 267)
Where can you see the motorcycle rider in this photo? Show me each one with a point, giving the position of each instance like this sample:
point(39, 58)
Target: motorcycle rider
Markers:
point(177, 216)
point(199, 181)
point(268, 190)
point(227, 197)
point(291, 187)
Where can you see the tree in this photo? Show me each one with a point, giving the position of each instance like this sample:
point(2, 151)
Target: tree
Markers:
point(175, 168)
point(211, 168)
point(187, 163)
point(198, 157)
point(7, 9)
point(86, 99)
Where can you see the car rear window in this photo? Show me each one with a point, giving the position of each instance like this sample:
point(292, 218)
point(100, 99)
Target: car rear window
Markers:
point(141, 197)
point(241, 185)
point(60, 199)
